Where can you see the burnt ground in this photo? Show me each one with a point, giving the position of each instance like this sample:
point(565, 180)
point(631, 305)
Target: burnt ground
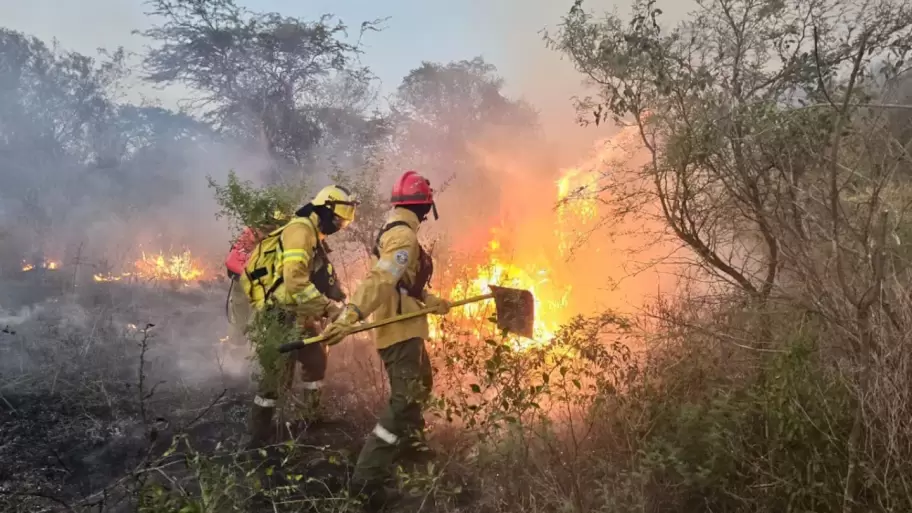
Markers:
point(95, 411)
point(57, 455)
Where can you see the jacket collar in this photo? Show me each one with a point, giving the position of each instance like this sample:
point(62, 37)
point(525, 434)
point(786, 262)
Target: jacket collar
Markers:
point(405, 215)
point(315, 222)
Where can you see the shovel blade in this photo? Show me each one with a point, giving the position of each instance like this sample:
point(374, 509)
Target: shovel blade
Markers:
point(515, 310)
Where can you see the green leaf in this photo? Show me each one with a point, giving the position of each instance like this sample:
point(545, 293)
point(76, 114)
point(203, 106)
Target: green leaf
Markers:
point(475, 388)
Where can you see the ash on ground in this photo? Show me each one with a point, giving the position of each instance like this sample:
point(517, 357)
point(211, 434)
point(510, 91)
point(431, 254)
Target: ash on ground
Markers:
point(97, 380)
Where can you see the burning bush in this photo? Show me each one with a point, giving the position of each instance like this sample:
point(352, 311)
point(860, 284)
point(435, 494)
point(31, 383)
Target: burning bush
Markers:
point(776, 380)
point(178, 267)
point(51, 265)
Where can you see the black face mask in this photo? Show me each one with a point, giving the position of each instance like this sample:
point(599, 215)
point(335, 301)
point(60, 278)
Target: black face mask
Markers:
point(327, 221)
point(421, 211)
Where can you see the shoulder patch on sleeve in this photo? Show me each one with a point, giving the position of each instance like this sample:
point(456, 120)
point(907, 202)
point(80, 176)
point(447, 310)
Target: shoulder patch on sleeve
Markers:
point(402, 257)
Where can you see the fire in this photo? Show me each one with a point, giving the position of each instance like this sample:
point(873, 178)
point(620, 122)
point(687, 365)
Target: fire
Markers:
point(111, 277)
point(550, 298)
point(530, 261)
point(180, 267)
point(577, 190)
point(51, 265)
point(577, 196)
point(576, 259)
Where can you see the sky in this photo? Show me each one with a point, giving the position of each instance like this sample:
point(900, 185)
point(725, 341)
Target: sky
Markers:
point(507, 33)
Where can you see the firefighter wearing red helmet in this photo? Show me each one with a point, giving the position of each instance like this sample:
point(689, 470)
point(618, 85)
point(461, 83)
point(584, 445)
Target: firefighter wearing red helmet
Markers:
point(397, 283)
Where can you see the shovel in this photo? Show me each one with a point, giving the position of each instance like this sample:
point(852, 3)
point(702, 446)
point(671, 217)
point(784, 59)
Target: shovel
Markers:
point(515, 313)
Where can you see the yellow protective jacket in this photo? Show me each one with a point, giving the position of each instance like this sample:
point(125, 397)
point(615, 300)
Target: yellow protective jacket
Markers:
point(299, 241)
point(378, 293)
point(297, 261)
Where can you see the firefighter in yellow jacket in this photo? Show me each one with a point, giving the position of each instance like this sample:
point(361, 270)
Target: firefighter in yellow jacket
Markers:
point(397, 283)
point(288, 275)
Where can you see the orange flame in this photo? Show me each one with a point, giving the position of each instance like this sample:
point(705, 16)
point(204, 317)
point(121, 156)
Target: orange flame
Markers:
point(532, 269)
point(180, 267)
point(577, 195)
point(51, 265)
point(550, 298)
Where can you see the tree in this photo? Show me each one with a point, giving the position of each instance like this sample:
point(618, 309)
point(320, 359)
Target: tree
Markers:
point(444, 108)
point(458, 97)
point(248, 206)
point(263, 77)
point(730, 106)
point(53, 106)
point(448, 116)
point(74, 158)
point(772, 155)
point(51, 100)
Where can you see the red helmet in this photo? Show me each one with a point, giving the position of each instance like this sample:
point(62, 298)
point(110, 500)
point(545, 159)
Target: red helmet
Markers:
point(413, 189)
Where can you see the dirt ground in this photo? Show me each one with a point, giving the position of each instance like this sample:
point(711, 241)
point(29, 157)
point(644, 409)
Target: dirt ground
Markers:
point(90, 398)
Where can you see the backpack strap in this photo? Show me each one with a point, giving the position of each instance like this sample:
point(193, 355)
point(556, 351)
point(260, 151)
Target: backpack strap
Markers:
point(386, 228)
point(309, 222)
point(253, 277)
point(376, 252)
point(231, 284)
point(297, 220)
point(261, 272)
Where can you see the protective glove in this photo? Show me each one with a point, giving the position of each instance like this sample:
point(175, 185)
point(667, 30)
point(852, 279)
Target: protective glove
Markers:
point(341, 327)
point(441, 306)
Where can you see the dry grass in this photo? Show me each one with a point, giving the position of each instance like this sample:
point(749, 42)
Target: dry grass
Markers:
point(698, 421)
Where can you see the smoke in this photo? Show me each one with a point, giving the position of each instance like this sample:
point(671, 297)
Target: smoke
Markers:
point(506, 194)
point(9, 318)
point(169, 211)
point(578, 257)
point(136, 181)
point(90, 183)
point(615, 261)
point(513, 32)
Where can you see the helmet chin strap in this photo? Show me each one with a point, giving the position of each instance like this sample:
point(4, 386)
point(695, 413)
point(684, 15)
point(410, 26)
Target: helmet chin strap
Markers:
point(434, 209)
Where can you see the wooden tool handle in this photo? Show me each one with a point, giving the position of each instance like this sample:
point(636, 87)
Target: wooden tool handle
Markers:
point(293, 346)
